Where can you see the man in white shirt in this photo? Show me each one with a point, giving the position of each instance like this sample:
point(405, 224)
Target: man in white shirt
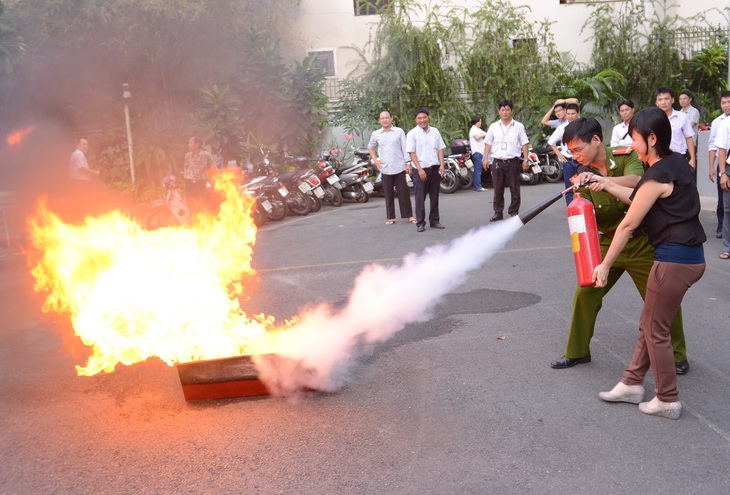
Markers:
point(572, 112)
point(426, 148)
point(620, 135)
point(78, 166)
point(476, 145)
point(682, 132)
point(506, 139)
point(685, 103)
point(722, 143)
point(714, 129)
point(390, 143)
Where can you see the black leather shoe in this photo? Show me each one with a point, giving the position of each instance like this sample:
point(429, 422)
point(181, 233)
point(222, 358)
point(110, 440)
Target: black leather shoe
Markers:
point(421, 228)
point(682, 367)
point(437, 226)
point(496, 218)
point(566, 362)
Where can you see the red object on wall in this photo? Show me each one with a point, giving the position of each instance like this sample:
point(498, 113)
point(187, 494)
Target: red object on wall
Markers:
point(584, 239)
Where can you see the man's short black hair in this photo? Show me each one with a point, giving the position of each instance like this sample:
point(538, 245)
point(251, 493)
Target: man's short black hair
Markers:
point(627, 102)
point(420, 110)
point(385, 110)
point(573, 106)
point(688, 93)
point(559, 105)
point(506, 103)
point(725, 94)
point(663, 91)
point(583, 128)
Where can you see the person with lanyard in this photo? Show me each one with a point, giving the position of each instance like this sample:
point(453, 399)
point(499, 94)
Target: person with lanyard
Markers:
point(390, 143)
point(682, 132)
point(621, 165)
point(666, 200)
point(620, 135)
point(426, 148)
point(572, 112)
point(476, 145)
point(506, 138)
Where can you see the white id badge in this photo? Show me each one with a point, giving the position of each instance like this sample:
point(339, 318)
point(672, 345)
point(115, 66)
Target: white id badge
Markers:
point(504, 145)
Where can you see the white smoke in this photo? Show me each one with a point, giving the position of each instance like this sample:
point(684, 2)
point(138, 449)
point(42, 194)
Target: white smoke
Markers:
point(318, 351)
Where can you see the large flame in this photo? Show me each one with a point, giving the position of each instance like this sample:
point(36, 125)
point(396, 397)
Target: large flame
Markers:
point(132, 294)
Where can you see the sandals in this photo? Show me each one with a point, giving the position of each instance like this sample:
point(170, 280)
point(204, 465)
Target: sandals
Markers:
point(413, 220)
point(390, 222)
point(725, 255)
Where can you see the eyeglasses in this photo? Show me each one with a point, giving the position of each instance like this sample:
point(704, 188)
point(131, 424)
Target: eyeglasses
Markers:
point(580, 149)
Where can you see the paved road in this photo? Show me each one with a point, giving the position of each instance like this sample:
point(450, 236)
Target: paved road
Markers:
point(464, 403)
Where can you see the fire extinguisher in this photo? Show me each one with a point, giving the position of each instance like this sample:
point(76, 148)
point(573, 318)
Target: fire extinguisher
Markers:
point(584, 238)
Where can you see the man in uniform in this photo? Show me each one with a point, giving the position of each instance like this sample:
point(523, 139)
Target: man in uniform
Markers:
point(584, 137)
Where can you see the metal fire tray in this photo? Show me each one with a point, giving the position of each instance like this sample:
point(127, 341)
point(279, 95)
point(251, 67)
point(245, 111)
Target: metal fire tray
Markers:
point(220, 378)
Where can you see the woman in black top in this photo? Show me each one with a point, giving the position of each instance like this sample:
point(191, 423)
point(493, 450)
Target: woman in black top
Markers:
point(667, 197)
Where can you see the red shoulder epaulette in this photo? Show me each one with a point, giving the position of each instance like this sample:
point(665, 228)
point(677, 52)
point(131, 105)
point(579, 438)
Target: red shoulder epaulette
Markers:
point(623, 150)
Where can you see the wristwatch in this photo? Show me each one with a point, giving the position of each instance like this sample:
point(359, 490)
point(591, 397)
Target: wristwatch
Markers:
point(721, 174)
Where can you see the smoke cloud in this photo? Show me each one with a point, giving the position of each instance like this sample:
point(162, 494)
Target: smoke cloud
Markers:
point(318, 352)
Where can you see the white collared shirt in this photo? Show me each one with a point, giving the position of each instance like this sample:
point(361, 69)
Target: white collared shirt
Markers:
point(722, 139)
point(391, 148)
point(620, 135)
point(426, 145)
point(476, 145)
point(512, 135)
point(714, 129)
point(681, 130)
point(557, 137)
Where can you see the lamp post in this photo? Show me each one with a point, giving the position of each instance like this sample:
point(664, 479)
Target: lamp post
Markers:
point(126, 96)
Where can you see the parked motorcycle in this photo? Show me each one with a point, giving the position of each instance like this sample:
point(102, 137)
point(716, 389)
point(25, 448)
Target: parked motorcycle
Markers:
point(270, 195)
point(355, 184)
point(458, 167)
point(330, 181)
point(532, 175)
point(169, 210)
point(306, 180)
point(552, 169)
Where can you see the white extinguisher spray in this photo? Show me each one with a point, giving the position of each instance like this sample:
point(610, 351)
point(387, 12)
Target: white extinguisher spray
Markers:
point(584, 238)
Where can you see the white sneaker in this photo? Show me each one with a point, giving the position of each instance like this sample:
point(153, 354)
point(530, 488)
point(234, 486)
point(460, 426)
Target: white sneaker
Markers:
point(632, 394)
point(655, 407)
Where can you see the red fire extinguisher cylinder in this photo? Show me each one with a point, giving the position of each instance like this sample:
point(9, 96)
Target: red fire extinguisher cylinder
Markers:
point(584, 238)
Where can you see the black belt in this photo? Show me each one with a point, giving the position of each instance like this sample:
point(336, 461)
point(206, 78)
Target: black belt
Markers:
point(506, 160)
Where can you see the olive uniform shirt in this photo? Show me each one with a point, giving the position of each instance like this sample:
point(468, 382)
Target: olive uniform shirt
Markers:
point(609, 210)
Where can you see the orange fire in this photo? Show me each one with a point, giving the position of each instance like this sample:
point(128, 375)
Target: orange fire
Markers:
point(15, 138)
point(132, 294)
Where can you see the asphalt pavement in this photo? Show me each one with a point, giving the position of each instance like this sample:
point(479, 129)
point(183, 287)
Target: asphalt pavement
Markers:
point(464, 403)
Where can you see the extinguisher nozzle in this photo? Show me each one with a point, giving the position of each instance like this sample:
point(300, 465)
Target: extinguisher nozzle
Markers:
point(540, 207)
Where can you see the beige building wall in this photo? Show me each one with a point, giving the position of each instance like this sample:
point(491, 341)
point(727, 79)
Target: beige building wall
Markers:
point(332, 28)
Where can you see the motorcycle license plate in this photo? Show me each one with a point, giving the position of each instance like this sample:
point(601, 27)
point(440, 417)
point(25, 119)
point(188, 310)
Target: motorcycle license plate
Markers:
point(536, 169)
point(368, 186)
point(283, 191)
point(267, 205)
point(319, 192)
point(304, 187)
point(333, 179)
point(469, 163)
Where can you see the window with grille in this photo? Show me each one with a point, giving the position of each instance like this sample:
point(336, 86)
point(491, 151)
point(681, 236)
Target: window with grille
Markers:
point(326, 60)
point(369, 7)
